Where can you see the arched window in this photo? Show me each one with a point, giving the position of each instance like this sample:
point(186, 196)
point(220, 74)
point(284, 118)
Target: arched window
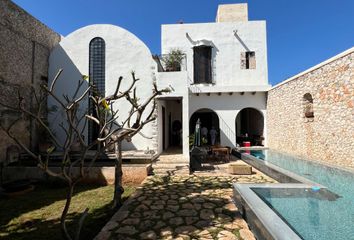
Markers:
point(308, 105)
point(97, 77)
point(97, 63)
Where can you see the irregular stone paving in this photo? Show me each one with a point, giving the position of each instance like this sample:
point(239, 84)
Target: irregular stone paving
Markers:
point(182, 207)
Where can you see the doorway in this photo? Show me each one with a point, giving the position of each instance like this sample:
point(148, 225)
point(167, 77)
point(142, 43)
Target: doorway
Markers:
point(171, 124)
point(250, 127)
point(208, 119)
point(163, 128)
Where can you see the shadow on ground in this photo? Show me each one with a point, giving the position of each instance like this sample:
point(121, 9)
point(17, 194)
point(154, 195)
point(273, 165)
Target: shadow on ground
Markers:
point(182, 207)
point(24, 217)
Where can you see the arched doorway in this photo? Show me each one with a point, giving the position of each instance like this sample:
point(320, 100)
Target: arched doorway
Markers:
point(208, 119)
point(250, 127)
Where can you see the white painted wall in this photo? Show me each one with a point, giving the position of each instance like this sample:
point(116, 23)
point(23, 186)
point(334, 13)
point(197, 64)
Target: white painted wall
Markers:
point(227, 107)
point(124, 53)
point(226, 49)
point(179, 82)
point(227, 73)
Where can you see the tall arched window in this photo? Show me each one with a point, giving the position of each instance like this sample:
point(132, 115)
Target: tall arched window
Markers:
point(97, 76)
point(97, 66)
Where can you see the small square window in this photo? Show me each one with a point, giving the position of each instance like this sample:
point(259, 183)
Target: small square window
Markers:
point(248, 60)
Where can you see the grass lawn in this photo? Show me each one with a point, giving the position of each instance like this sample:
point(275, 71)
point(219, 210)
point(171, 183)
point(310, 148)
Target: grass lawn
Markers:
point(35, 215)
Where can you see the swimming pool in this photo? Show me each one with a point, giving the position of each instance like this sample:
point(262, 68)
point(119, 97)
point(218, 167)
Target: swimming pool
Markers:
point(310, 216)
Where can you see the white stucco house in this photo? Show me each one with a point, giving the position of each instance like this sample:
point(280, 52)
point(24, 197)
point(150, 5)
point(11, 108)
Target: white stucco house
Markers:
point(222, 78)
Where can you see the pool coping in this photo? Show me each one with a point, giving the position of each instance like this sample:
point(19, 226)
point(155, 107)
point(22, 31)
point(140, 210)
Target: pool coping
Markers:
point(279, 174)
point(264, 222)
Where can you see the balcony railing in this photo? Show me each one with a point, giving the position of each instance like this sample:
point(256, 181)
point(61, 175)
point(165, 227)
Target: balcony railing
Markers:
point(168, 63)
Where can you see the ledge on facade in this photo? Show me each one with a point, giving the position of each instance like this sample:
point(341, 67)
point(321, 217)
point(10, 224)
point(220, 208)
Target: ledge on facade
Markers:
point(169, 97)
point(178, 81)
point(197, 89)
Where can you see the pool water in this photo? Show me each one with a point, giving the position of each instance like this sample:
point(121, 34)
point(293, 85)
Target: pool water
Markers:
point(313, 214)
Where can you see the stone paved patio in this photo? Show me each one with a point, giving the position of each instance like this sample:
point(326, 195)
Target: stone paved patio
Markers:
point(182, 207)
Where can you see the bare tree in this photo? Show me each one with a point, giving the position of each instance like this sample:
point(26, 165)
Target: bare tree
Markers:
point(73, 125)
point(115, 133)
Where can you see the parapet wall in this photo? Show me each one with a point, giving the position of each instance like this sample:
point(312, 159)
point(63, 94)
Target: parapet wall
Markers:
point(25, 44)
point(328, 136)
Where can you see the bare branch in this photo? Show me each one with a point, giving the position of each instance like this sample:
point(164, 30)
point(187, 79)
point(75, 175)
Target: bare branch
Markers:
point(56, 98)
point(23, 146)
point(122, 94)
point(39, 120)
point(81, 97)
point(61, 125)
point(115, 94)
point(79, 85)
point(93, 119)
point(55, 80)
point(46, 169)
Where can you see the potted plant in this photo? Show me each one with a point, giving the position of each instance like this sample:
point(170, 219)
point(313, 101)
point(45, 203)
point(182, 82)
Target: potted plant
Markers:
point(173, 60)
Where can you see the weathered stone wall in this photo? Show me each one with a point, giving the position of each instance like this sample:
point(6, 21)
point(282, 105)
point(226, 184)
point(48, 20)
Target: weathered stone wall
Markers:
point(25, 44)
point(329, 136)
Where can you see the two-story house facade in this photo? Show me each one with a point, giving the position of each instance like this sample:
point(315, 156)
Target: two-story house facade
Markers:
point(221, 80)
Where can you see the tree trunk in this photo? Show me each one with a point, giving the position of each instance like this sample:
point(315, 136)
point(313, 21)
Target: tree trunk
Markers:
point(118, 188)
point(69, 195)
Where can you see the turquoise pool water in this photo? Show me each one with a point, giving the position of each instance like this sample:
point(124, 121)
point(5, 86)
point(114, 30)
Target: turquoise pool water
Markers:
point(311, 213)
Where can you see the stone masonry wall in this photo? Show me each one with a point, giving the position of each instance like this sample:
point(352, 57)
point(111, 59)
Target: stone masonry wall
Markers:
point(329, 135)
point(25, 44)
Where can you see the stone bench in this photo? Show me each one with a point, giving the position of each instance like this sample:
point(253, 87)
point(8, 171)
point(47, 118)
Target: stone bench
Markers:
point(240, 169)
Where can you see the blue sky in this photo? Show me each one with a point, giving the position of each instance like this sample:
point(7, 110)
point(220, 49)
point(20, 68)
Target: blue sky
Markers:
point(301, 33)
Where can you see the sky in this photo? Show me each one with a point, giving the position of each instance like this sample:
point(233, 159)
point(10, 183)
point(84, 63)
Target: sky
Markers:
point(300, 33)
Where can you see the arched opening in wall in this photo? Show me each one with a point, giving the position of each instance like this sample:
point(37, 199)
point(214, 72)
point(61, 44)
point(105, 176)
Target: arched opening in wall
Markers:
point(308, 106)
point(250, 127)
point(97, 77)
point(209, 126)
